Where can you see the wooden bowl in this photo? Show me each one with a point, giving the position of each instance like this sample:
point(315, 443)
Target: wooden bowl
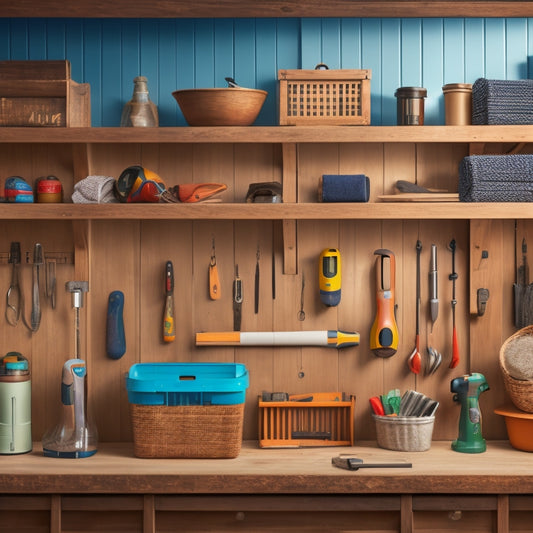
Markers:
point(230, 106)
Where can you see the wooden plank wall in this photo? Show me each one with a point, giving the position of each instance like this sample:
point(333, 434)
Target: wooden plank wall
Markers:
point(129, 255)
point(186, 53)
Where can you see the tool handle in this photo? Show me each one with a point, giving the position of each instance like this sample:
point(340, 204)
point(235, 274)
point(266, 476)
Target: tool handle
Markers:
point(169, 328)
point(35, 317)
point(455, 350)
point(433, 285)
point(115, 337)
point(214, 282)
point(357, 466)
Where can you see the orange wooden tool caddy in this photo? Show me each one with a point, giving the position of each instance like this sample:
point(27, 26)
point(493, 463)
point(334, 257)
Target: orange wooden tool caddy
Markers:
point(292, 424)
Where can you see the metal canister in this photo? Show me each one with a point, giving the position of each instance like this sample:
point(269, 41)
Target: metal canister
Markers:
point(48, 190)
point(15, 405)
point(410, 105)
point(457, 104)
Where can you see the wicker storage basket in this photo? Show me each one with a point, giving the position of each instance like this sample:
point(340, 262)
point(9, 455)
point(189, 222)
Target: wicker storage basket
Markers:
point(520, 391)
point(187, 431)
point(404, 433)
point(324, 97)
point(188, 410)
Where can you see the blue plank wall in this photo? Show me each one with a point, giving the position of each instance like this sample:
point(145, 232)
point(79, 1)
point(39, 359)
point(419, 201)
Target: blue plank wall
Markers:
point(185, 53)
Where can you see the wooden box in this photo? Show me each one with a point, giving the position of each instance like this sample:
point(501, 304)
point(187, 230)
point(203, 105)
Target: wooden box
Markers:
point(293, 424)
point(41, 93)
point(324, 97)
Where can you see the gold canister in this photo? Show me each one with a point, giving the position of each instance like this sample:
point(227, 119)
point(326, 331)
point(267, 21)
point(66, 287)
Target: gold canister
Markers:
point(457, 104)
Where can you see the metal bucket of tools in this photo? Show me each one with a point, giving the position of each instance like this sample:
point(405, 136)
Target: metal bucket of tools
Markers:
point(404, 433)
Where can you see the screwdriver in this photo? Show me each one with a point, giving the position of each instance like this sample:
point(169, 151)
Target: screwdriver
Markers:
point(169, 329)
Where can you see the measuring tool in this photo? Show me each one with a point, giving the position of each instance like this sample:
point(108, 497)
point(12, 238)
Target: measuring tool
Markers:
point(384, 331)
point(169, 328)
point(329, 277)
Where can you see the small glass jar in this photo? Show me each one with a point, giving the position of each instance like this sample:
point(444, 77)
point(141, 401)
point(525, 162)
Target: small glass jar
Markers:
point(140, 111)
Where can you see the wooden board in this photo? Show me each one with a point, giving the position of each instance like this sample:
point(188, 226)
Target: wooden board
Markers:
point(419, 197)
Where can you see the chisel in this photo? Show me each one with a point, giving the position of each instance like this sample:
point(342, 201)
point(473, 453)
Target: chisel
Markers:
point(327, 338)
point(169, 328)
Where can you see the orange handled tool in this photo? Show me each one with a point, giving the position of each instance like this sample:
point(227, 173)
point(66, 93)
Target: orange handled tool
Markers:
point(384, 332)
point(169, 328)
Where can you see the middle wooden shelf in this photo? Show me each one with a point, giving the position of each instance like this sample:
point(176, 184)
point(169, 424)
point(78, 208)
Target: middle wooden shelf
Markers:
point(284, 211)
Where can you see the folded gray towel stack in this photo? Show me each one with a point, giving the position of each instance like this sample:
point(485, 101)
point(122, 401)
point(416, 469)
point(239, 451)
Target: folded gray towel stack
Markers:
point(496, 178)
point(502, 102)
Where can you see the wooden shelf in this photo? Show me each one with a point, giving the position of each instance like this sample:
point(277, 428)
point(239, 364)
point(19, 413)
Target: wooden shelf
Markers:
point(271, 8)
point(244, 211)
point(272, 134)
point(114, 469)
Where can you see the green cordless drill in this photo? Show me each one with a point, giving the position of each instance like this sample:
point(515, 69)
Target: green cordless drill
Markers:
point(467, 390)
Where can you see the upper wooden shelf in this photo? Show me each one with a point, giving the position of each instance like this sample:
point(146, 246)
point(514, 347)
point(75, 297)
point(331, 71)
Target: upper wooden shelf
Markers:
point(265, 8)
point(272, 134)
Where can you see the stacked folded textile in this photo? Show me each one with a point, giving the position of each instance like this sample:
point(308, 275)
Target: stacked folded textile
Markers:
point(496, 178)
point(502, 102)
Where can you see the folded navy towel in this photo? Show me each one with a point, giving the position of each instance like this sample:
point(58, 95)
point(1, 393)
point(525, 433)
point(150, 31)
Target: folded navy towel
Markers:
point(496, 178)
point(344, 188)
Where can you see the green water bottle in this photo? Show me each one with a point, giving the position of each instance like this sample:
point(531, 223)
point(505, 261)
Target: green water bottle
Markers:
point(15, 405)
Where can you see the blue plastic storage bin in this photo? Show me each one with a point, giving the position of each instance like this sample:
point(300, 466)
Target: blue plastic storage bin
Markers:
point(187, 383)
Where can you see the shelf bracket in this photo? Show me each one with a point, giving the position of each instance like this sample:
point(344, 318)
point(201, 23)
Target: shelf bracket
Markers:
point(81, 160)
point(476, 148)
point(290, 195)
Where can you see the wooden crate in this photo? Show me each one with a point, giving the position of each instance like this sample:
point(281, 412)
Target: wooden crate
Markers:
point(41, 94)
point(324, 97)
point(297, 423)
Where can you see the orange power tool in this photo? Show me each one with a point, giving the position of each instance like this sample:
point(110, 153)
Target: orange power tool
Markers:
point(384, 332)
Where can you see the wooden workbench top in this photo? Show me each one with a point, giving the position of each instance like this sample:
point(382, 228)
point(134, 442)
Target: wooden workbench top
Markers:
point(114, 469)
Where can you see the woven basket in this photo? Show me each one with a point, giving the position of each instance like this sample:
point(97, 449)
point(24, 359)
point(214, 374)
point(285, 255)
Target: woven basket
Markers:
point(404, 433)
point(187, 431)
point(520, 391)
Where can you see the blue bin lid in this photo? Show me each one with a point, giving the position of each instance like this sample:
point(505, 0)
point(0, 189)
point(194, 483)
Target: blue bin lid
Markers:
point(187, 377)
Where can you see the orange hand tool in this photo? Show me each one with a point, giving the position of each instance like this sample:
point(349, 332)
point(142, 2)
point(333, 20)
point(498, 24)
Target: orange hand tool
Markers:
point(384, 332)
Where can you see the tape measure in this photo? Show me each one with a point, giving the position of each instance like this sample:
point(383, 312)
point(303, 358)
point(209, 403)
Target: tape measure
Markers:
point(329, 277)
